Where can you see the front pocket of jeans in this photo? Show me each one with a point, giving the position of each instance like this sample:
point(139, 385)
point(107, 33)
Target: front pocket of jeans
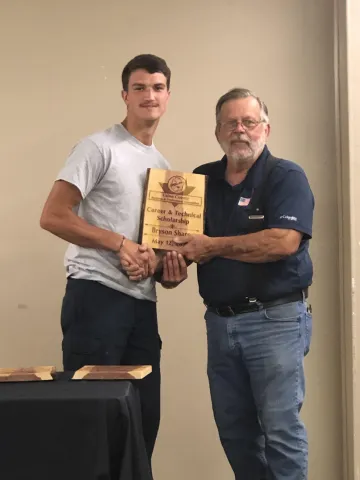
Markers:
point(308, 332)
point(283, 313)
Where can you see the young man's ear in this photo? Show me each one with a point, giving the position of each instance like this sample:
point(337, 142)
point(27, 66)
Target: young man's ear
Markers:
point(217, 132)
point(124, 95)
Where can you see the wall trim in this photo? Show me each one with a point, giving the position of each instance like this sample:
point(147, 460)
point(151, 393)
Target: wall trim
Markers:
point(345, 15)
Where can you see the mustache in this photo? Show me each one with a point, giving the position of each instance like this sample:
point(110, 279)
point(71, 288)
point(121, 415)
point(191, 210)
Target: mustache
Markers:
point(238, 138)
point(149, 104)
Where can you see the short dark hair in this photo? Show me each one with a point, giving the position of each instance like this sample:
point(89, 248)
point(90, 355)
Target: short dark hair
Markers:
point(150, 63)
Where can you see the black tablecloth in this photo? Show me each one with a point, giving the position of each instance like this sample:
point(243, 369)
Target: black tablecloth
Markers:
point(71, 430)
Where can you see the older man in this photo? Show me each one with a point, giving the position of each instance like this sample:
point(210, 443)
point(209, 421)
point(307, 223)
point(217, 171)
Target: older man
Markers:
point(254, 271)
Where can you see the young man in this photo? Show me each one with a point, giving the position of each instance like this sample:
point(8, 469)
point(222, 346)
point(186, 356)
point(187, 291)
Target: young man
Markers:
point(95, 204)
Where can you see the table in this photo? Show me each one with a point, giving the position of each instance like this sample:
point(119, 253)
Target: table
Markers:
point(71, 430)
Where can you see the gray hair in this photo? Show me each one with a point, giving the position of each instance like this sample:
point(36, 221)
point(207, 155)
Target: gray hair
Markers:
point(236, 93)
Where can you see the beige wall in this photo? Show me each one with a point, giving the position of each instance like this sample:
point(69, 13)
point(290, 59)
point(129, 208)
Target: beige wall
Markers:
point(60, 79)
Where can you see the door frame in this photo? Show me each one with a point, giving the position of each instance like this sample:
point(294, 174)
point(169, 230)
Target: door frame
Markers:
point(347, 118)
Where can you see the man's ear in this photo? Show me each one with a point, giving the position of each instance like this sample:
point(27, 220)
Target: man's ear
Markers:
point(168, 98)
point(217, 132)
point(268, 130)
point(124, 95)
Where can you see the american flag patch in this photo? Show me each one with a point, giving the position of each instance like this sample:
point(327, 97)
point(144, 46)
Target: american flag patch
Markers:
point(243, 202)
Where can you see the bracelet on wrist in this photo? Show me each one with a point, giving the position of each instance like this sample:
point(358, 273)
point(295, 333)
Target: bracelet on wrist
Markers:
point(121, 244)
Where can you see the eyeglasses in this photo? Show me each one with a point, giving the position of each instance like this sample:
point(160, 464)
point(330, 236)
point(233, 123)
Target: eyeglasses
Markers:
point(246, 123)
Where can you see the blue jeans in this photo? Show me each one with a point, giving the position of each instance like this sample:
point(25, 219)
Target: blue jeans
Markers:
point(257, 385)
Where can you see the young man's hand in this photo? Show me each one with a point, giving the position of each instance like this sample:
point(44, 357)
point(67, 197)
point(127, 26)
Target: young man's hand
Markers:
point(174, 270)
point(138, 261)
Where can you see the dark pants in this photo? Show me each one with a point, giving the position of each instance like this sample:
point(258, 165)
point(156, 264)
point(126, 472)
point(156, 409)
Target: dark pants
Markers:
point(102, 326)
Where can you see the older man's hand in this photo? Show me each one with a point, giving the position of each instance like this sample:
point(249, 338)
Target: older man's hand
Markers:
point(197, 248)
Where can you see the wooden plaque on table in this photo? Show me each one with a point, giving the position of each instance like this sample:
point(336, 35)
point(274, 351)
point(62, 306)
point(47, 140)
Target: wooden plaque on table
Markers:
point(173, 206)
point(112, 372)
point(31, 374)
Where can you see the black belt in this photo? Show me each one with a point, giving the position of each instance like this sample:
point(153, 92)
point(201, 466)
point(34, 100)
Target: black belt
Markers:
point(253, 304)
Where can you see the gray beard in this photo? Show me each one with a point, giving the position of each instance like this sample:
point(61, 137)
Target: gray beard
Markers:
point(241, 161)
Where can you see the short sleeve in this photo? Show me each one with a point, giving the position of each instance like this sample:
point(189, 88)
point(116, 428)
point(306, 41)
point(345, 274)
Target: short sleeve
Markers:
point(290, 203)
point(84, 167)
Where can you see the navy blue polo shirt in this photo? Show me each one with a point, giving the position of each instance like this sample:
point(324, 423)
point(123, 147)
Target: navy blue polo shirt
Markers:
point(288, 203)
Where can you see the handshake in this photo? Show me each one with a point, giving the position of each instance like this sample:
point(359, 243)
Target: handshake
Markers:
point(140, 262)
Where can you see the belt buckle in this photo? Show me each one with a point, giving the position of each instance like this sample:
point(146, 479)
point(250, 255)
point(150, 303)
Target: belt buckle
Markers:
point(252, 300)
point(254, 304)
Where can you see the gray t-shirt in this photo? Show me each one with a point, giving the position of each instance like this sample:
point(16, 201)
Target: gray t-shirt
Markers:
point(109, 168)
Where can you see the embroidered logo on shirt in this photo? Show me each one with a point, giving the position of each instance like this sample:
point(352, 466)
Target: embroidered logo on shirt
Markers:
point(288, 217)
point(243, 202)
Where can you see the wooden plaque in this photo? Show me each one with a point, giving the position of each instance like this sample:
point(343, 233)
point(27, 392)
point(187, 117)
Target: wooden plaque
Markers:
point(112, 372)
point(173, 206)
point(31, 374)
